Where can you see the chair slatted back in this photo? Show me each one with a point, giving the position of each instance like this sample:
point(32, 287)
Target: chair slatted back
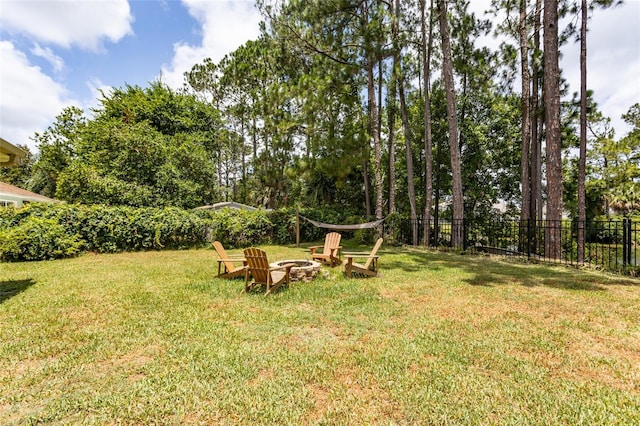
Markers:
point(373, 253)
point(257, 263)
point(223, 255)
point(331, 242)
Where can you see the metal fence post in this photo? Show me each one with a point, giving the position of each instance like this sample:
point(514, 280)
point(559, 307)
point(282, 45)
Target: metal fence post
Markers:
point(464, 235)
point(529, 238)
point(626, 242)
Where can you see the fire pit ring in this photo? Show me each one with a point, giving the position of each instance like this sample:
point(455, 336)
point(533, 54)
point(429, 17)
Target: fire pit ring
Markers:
point(303, 270)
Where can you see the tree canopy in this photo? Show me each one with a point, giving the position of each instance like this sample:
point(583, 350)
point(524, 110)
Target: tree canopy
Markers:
point(359, 105)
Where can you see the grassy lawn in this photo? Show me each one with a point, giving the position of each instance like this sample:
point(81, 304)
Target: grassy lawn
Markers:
point(153, 338)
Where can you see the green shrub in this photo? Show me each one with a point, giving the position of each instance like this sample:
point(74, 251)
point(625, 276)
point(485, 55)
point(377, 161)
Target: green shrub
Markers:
point(10, 217)
point(239, 228)
point(105, 229)
point(36, 238)
point(170, 227)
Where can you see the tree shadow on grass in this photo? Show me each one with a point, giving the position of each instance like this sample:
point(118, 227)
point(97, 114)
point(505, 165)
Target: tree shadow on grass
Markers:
point(569, 281)
point(10, 288)
point(493, 271)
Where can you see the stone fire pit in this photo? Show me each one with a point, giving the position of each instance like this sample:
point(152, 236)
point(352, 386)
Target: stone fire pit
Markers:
point(304, 270)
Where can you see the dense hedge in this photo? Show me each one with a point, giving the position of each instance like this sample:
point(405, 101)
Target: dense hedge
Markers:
point(50, 231)
point(95, 228)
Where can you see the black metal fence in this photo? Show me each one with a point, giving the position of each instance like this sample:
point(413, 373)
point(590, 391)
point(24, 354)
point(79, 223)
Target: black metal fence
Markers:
point(610, 245)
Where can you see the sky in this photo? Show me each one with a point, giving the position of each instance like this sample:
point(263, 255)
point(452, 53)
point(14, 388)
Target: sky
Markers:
point(58, 53)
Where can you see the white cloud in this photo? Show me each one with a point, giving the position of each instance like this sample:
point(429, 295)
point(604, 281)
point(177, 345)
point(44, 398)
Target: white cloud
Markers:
point(29, 99)
point(69, 23)
point(613, 61)
point(226, 25)
point(56, 61)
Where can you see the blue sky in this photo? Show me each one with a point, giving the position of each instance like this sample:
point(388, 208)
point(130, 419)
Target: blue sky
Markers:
point(59, 53)
point(136, 58)
point(56, 53)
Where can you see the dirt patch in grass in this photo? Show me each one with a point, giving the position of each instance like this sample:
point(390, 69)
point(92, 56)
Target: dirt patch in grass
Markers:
point(130, 364)
point(28, 366)
point(264, 375)
point(321, 403)
point(601, 358)
point(371, 400)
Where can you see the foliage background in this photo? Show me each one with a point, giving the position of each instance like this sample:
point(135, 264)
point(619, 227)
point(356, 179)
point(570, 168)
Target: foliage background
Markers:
point(49, 231)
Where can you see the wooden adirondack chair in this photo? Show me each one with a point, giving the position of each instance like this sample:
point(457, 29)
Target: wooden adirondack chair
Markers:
point(331, 250)
point(262, 274)
point(227, 265)
point(369, 268)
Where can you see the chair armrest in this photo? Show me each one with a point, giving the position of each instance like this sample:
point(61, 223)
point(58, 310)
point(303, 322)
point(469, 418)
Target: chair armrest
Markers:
point(351, 256)
point(314, 248)
point(355, 254)
point(233, 259)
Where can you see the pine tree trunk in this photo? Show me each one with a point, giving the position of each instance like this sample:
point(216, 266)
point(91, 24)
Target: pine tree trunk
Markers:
point(582, 164)
point(391, 119)
point(526, 120)
point(374, 117)
point(536, 128)
point(243, 154)
point(428, 141)
point(411, 189)
point(399, 79)
point(452, 119)
point(367, 186)
point(553, 243)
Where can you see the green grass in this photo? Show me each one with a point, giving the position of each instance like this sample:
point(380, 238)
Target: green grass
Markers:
point(441, 338)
